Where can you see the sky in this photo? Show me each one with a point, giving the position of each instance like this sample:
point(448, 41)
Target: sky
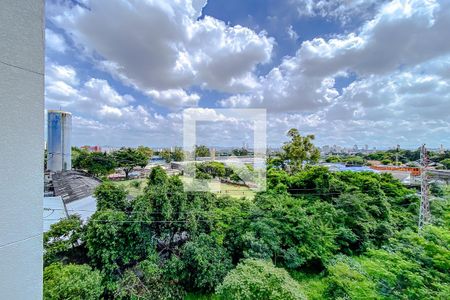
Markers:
point(372, 72)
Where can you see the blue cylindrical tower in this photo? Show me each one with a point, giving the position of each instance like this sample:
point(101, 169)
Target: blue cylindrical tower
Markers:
point(59, 124)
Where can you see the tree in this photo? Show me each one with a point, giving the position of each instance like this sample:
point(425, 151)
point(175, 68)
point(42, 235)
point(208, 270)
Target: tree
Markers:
point(259, 279)
point(146, 151)
point(110, 196)
point(446, 163)
point(129, 158)
point(166, 155)
point(206, 263)
point(72, 282)
point(333, 159)
point(178, 154)
point(299, 150)
point(213, 168)
point(201, 151)
point(347, 280)
point(147, 281)
point(240, 152)
point(112, 242)
point(62, 239)
point(78, 157)
point(97, 163)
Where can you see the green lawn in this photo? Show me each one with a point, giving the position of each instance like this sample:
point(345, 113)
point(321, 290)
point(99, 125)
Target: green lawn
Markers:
point(136, 187)
point(133, 186)
point(233, 190)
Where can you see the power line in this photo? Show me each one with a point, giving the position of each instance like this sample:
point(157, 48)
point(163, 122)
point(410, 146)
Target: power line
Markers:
point(19, 241)
point(21, 68)
point(424, 212)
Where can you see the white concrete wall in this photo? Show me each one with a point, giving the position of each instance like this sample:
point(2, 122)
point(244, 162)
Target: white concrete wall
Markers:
point(21, 148)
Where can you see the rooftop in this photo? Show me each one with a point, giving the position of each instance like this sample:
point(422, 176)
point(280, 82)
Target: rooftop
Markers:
point(73, 185)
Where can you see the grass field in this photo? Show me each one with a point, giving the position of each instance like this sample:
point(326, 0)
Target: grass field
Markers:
point(233, 190)
point(136, 187)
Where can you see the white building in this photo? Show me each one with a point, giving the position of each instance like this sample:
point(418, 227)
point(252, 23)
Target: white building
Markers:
point(21, 148)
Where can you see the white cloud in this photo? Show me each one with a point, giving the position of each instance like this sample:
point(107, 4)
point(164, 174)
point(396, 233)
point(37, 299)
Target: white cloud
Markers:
point(161, 45)
point(291, 33)
point(343, 11)
point(174, 98)
point(402, 35)
point(66, 74)
point(100, 91)
point(400, 61)
point(55, 41)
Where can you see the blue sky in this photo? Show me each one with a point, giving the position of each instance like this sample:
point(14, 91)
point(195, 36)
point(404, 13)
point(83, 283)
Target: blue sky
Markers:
point(350, 72)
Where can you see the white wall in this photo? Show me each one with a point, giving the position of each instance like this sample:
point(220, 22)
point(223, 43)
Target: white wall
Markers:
point(21, 148)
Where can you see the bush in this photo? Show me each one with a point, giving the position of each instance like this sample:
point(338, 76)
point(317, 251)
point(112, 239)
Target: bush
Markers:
point(206, 263)
point(347, 280)
point(110, 196)
point(71, 282)
point(62, 240)
point(259, 279)
point(146, 281)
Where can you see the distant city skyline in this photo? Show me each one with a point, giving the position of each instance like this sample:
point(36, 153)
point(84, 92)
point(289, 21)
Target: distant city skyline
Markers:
point(360, 72)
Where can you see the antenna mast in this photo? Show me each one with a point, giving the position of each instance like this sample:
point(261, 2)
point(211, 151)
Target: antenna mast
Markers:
point(424, 214)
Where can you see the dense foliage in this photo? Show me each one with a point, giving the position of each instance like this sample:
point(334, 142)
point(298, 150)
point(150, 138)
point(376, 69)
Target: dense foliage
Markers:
point(72, 282)
point(95, 163)
point(313, 234)
point(202, 151)
point(176, 155)
point(129, 158)
point(258, 279)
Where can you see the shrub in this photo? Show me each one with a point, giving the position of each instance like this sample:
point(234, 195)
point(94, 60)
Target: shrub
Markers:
point(259, 279)
point(206, 263)
point(71, 282)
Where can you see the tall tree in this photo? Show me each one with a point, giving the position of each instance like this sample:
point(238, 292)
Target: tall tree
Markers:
point(299, 150)
point(240, 152)
point(111, 196)
point(147, 151)
point(97, 163)
point(78, 157)
point(178, 154)
point(129, 158)
point(166, 155)
point(201, 151)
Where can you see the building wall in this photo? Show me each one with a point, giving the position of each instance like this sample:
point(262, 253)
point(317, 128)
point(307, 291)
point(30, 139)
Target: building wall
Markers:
point(21, 148)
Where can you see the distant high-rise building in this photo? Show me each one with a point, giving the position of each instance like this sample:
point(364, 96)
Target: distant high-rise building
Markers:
point(58, 140)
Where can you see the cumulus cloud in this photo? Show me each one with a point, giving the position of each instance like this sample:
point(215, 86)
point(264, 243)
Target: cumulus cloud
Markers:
point(396, 66)
point(174, 98)
point(55, 41)
point(402, 35)
point(401, 93)
point(342, 11)
point(163, 45)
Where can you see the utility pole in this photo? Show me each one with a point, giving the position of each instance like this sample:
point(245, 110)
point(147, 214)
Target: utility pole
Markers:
point(424, 214)
point(396, 154)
